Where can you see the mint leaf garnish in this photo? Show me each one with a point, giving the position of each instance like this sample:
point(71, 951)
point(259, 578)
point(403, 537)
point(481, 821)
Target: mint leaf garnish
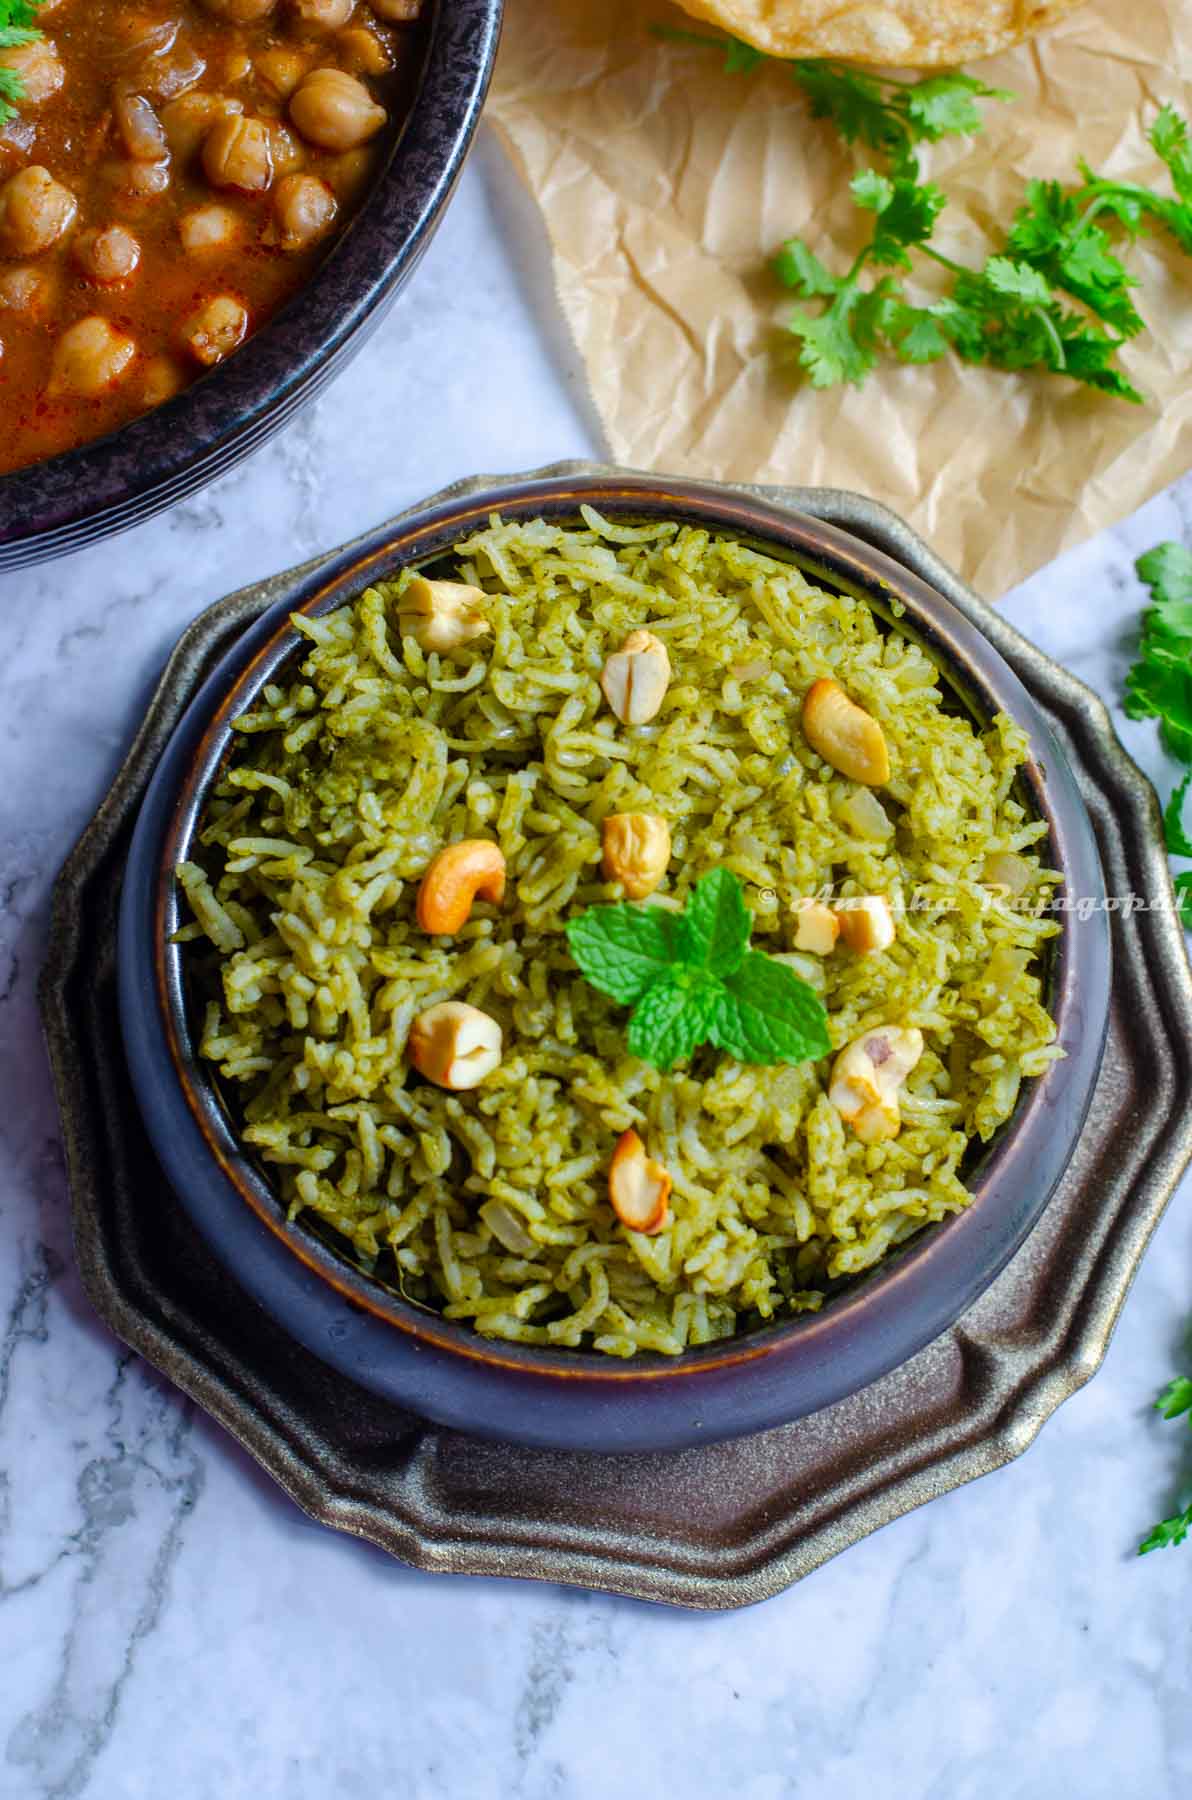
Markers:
point(768, 1015)
point(622, 949)
point(671, 1021)
point(692, 979)
point(719, 921)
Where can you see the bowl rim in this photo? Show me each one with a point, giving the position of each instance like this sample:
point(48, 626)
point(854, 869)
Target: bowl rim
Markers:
point(147, 463)
point(894, 1304)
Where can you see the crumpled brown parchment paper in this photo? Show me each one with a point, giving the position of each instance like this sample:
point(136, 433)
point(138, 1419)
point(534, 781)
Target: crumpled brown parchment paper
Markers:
point(666, 184)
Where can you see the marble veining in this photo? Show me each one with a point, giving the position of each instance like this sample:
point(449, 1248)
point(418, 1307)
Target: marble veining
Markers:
point(170, 1624)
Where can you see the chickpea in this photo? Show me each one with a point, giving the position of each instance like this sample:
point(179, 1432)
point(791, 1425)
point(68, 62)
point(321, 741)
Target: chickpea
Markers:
point(35, 211)
point(238, 153)
point(288, 154)
point(142, 33)
point(30, 291)
point(280, 71)
point(335, 111)
point(143, 180)
point(188, 118)
point(208, 228)
point(90, 357)
point(161, 381)
point(241, 12)
point(140, 129)
point(347, 173)
point(362, 53)
point(397, 12)
point(303, 209)
point(163, 78)
point(39, 68)
point(322, 15)
point(108, 256)
point(219, 327)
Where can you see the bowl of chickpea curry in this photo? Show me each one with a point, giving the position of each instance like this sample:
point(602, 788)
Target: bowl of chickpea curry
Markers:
point(203, 206)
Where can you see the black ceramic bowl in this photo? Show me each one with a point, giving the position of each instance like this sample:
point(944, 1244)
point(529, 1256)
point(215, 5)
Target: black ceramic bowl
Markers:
point(571, 1399)
point(69, 501)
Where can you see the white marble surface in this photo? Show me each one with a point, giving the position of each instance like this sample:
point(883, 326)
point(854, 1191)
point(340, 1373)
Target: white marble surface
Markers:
point(170, 1624)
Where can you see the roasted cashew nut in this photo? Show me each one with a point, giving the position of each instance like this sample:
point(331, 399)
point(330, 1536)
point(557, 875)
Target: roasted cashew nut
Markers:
point(441, 615)
point(455, 878)
point(636, 677)
point(637, 849)
point(867, 1076)
point(844, 734)
point(638, 1188)
point(455, 1045)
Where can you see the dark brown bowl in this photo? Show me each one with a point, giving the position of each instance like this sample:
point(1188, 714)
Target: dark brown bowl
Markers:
point(124, 478)
point(574, 1399)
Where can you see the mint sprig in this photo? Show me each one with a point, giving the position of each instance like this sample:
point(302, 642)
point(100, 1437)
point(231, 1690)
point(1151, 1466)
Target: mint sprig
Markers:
point(692, 979)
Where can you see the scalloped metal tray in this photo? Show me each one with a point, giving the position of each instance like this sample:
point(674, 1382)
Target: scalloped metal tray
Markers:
point(722, 1525)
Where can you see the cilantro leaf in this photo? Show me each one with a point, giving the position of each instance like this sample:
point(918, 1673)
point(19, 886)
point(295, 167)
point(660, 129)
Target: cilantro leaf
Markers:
point(18, 25)
point(1173, 1403)
point(718, 922)
point(906, 211)
point(832, 350)
point(1167, 571)
point(944, 105)
point(885, 114)
point(799, 268)
point(1159, 684)
point(914, 333)
point(1169, 139)
point(1176, 1398)
point(1168, 1533)
point(1050, 231)
point(671, 1020)
point(853, 100)
point(767, 1014)
point(622, 949)
point(1178, 841)
point(892, 116)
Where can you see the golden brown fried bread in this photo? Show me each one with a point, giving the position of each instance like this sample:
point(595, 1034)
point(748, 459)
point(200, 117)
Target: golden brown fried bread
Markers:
point(914, 33)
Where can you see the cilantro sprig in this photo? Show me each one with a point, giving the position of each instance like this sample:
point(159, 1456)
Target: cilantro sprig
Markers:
point(1052, 295)
point(1174, 1402)
point(18, 25)
point(879, 111)
point(691, 979)
point(1159, 686)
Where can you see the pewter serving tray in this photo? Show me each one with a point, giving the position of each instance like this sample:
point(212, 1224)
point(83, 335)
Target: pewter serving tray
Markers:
point(718, 1526)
